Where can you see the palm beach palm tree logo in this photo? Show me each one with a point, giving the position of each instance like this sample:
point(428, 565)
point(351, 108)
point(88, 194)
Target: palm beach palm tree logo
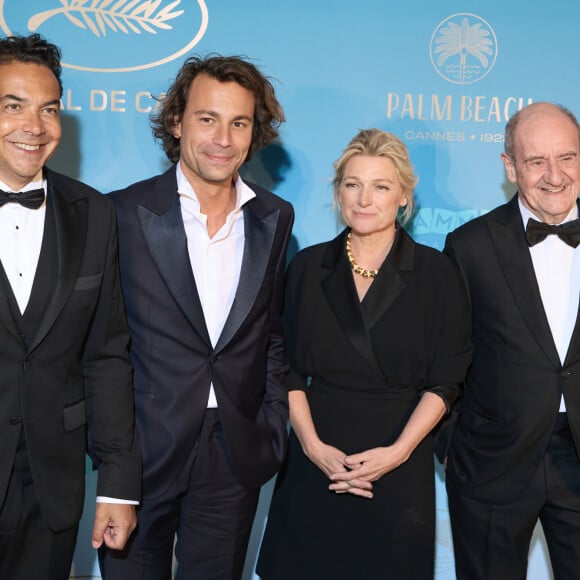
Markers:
point(463, 48)
point(133, 31)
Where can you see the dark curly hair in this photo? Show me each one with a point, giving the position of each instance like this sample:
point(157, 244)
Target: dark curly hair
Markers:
point(32, 49)
point(268, 113)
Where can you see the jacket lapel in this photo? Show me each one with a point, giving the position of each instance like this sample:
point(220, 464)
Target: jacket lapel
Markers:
point(164, 233)
point(259, 231)
point(71, 225)
point(507, 233)
point(389, 284)
point(6, 317)
point(574, 346)
point(340, 292)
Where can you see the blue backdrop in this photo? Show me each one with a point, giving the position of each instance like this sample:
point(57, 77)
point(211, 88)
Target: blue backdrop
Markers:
point(444, 76)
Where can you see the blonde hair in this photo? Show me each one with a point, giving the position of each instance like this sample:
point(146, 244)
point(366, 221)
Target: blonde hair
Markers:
point(377, 143)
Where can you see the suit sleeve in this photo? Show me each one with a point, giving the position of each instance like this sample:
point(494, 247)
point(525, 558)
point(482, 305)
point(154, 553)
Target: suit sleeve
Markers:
point(294, 286)
point(275, 402)
point(453, 353)
point(445, 430)
point(107, 375)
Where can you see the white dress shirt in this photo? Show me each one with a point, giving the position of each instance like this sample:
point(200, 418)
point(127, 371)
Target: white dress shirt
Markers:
point(216, 262)
point(21, 231)
point(557, 268)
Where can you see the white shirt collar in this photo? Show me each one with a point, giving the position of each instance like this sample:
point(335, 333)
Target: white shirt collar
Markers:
point(38, 184)
point(244, 193)
point(527, 214)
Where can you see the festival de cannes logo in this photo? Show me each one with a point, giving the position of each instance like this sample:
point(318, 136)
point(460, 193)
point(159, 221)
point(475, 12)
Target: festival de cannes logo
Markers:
point(111, 35)
point(463, 48)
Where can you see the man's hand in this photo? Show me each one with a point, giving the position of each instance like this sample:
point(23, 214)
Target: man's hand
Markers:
point(113, 525)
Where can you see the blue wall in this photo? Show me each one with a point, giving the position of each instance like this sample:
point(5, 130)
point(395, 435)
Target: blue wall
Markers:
point(444, 76)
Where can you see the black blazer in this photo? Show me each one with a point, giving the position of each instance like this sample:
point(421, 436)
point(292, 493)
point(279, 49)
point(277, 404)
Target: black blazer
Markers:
point(75, 374)
point(513, 389)
point(409, 334)
point(171, 351)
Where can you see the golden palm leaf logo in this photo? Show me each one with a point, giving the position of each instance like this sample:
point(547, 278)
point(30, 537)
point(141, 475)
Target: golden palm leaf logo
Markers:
point(112, 36)
point(100, 16)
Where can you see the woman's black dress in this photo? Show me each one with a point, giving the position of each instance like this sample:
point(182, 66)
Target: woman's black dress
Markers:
point(364, 367)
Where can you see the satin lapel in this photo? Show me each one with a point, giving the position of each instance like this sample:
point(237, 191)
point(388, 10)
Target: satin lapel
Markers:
point(259, 234)
point(389, 284)
point(71, 227)
point(6, 317)
point(340, 292)
point(507, 233)
point(165, 237)
point(574, 347)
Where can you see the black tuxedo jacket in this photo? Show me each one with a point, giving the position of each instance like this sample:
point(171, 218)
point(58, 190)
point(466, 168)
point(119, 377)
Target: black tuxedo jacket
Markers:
point(171, 350)
point(75, 372)
point(512, 392)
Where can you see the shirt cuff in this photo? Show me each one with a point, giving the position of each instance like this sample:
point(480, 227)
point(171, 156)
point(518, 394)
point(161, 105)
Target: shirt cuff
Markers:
point(104, 499)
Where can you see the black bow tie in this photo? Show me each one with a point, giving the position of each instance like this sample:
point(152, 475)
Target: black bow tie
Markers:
point(31, 199)
point(569, 232)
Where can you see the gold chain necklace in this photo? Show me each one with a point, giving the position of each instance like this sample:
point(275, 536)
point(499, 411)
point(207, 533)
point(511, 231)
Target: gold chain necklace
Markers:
point(354, 266)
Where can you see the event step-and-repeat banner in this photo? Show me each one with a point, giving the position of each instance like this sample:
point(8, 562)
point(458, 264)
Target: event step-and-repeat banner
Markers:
point(445, 76)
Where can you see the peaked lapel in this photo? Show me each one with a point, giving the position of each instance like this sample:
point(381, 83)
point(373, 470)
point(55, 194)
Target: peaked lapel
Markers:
point(574, 346)
point(6, 317)
point(164, 233)
point(340, 292)
point(508, 236)
point(70, 213)
point(260, 225)
point(389, 283)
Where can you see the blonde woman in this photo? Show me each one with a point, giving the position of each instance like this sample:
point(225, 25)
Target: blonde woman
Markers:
point(377, 329)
